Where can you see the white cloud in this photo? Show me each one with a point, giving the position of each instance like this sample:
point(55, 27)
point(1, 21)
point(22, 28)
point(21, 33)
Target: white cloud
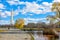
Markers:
point(14, 2)
point(32, 6)
point(36, 8)
point(3, 15)
point(3, 22)
point(47, 4)
point(2, 6)
point(8, 13)
point(56, 1)
point(16, 12)
point(21, 2)
point(33, 20)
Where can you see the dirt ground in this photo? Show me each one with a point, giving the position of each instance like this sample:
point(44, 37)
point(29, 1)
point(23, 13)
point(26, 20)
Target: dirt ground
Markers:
point(15, 37)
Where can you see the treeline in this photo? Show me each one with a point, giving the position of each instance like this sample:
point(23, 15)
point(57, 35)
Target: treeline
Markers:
point(7, 26)
point(41, 25)
point(34, 25)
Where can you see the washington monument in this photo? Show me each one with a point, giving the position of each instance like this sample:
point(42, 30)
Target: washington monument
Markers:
point(12, 20)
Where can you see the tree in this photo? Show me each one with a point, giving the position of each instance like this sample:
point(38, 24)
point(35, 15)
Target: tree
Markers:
point(41, 24)
point(19, 23)
point(31, 25)
point(51, 20)
point(56, 8)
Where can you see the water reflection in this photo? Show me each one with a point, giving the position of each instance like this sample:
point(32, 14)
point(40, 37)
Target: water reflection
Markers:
point(59, 35)
point(38, 35)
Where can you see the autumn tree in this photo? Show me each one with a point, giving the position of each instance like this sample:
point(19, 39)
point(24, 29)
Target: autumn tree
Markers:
point(56, 8)
point(51, 20)
point(19, 23)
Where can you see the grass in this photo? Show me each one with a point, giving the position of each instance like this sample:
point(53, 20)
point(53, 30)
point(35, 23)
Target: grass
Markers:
point(32, 38)
point(3, 30)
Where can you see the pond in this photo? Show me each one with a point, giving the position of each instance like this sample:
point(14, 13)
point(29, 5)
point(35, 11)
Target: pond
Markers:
point(39, 36)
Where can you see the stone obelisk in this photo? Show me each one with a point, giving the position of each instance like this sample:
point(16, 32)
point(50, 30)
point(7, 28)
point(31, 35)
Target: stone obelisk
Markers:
point(12, 21)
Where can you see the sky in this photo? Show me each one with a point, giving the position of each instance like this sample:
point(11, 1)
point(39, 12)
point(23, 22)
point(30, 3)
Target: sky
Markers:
point(29, 10)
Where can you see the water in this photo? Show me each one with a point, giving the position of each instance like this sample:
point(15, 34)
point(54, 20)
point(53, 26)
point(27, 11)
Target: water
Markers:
point(36, 36)
point(40, 36)
point(59, 35)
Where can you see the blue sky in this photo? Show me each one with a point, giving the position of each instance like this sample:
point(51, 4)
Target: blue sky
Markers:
point(29, 10)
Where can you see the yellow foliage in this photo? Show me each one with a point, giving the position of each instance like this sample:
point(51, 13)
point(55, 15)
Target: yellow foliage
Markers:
point(19, 23)
point(58, 23)
point(56, 7)
point(3, 30)
point(51, 19)
point(32, 37)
